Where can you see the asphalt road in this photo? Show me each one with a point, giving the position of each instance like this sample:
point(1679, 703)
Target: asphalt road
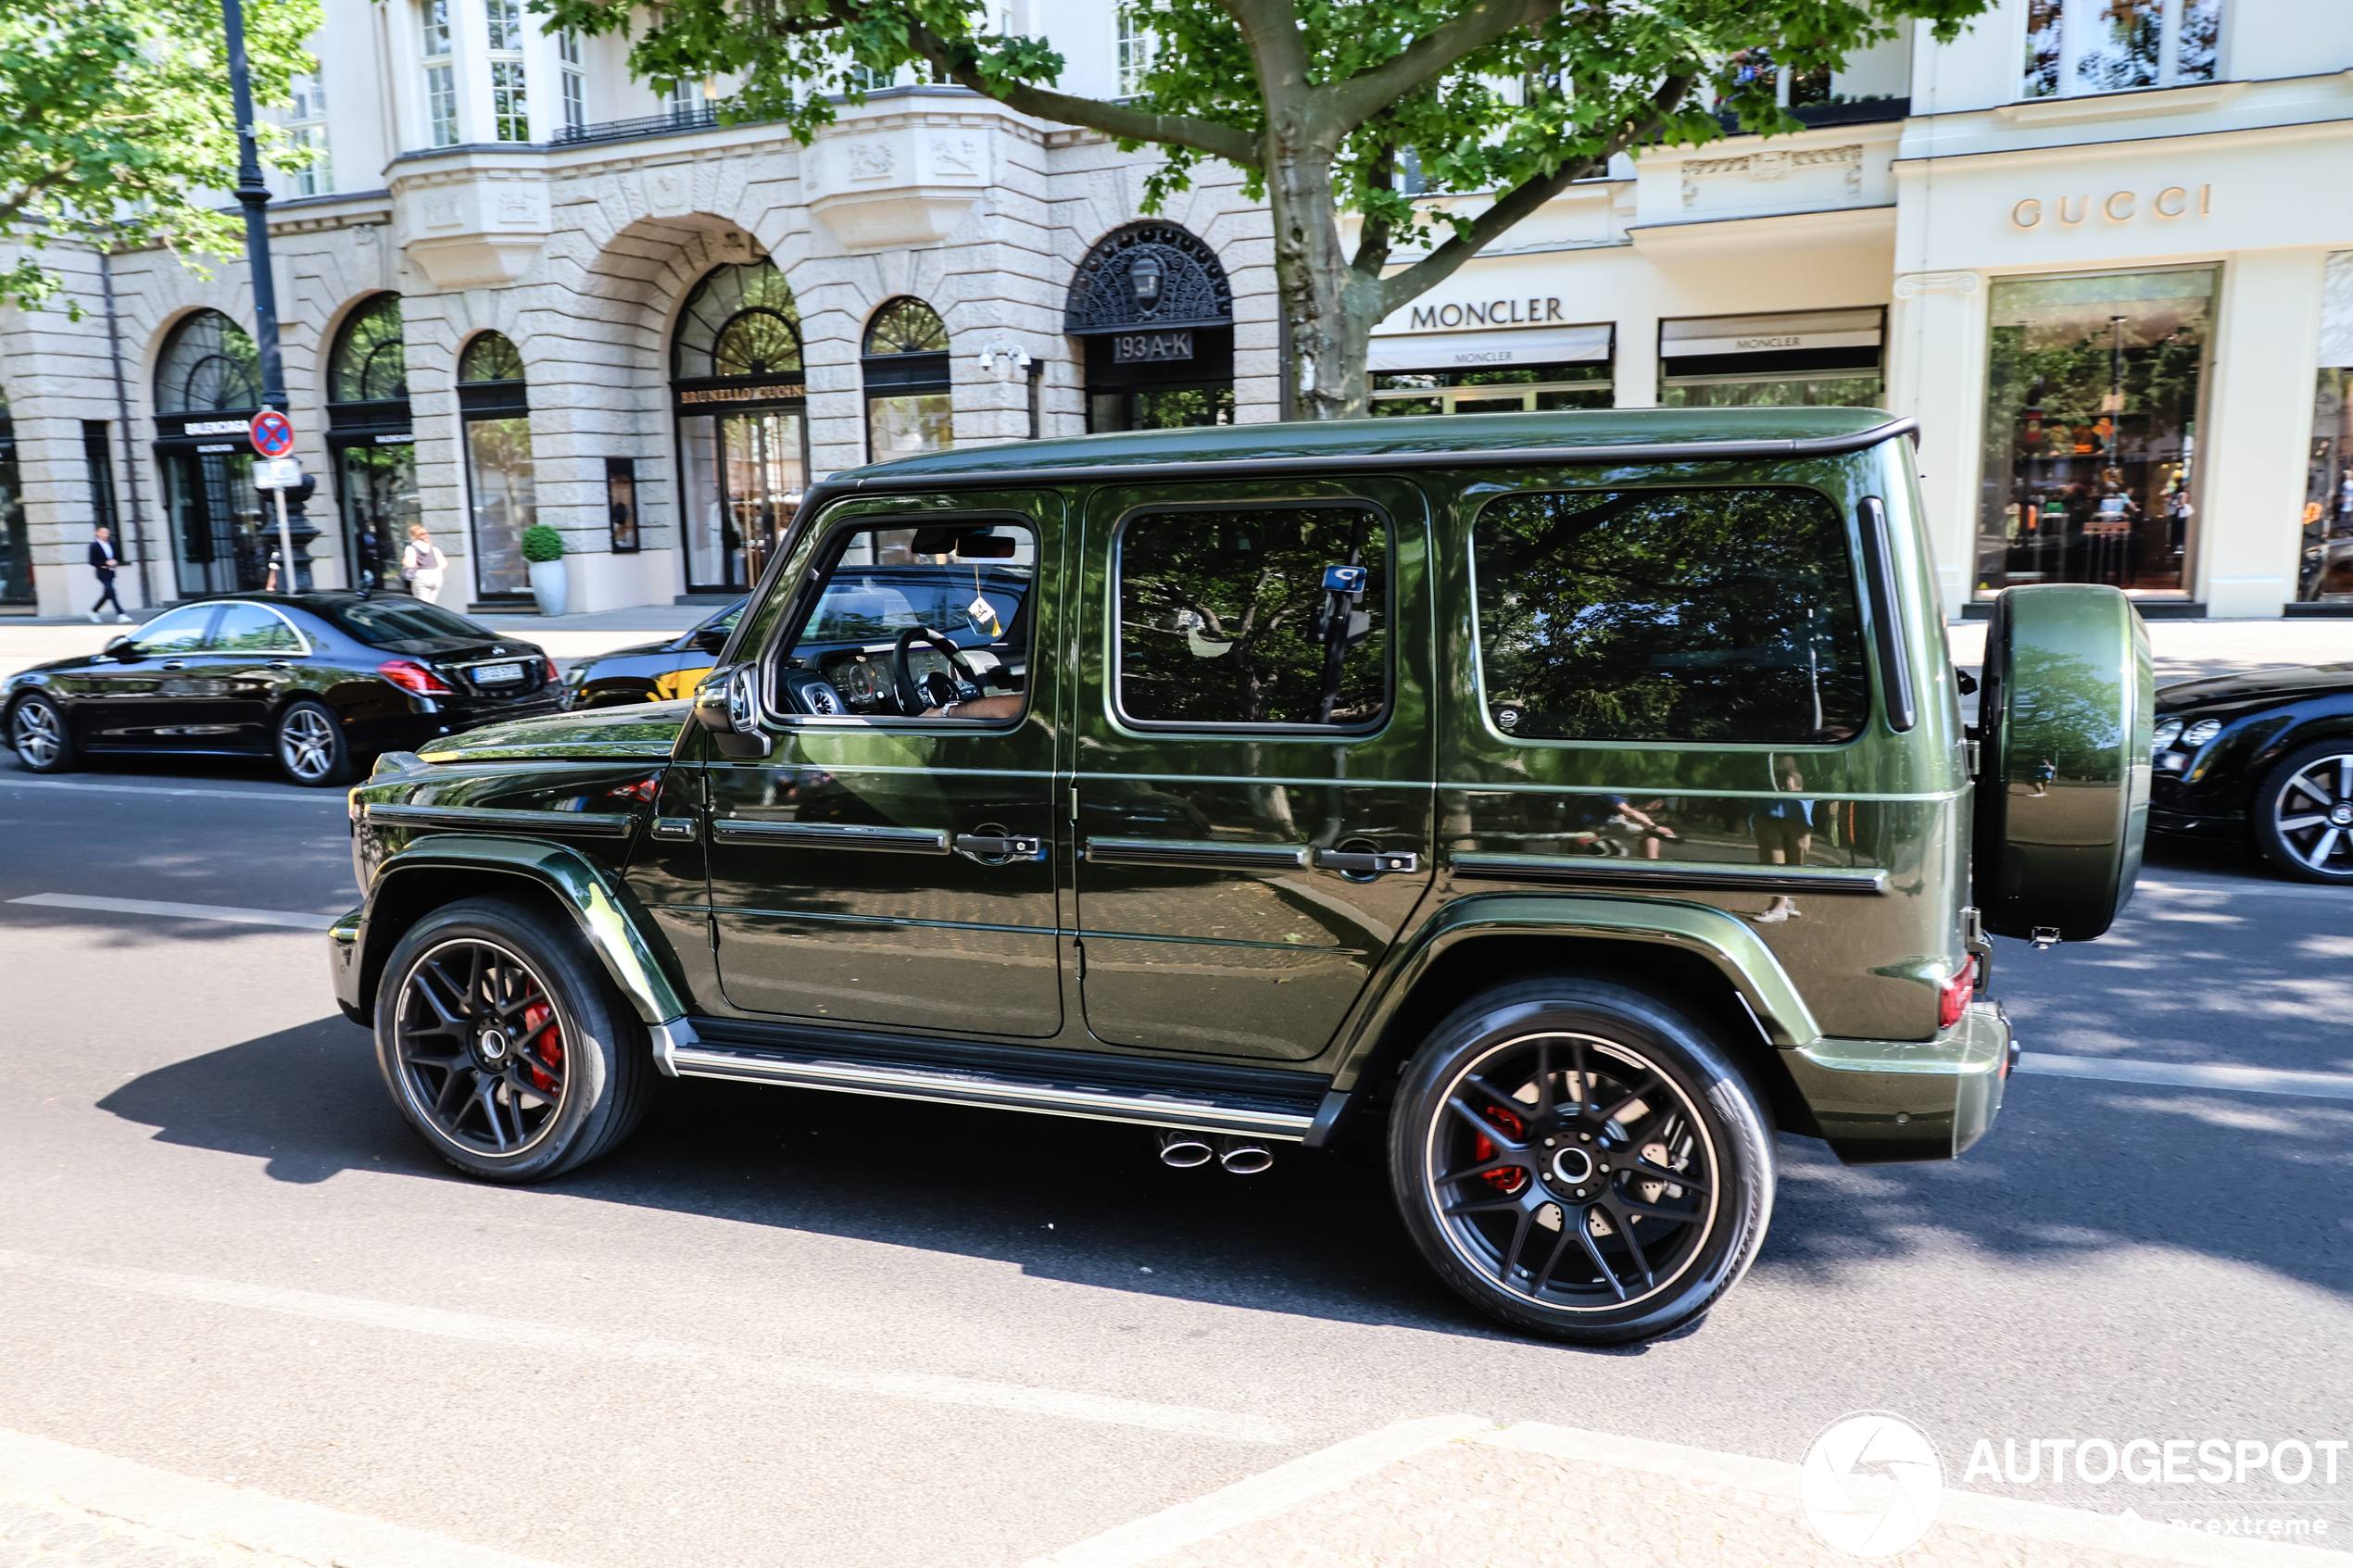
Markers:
point(783, 1327)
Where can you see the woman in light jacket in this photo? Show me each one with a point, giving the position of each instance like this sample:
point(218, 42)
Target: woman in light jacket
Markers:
point(422, 564)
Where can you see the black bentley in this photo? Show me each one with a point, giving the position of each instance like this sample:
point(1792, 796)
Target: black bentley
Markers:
point(2263, 758)
point(319, 680)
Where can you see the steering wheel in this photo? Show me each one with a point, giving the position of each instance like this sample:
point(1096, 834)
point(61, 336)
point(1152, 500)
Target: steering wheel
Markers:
point(912, 698)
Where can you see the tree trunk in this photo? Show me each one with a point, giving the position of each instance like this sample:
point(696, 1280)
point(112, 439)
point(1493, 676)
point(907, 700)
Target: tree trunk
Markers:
point(1331, 308)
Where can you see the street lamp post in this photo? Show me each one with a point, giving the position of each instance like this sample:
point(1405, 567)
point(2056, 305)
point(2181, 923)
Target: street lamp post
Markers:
point(252, 194)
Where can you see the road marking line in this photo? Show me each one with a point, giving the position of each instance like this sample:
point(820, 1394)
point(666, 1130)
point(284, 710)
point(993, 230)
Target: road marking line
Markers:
point(1270, 1492)
point(295, 918)
point(312, 798)
point(1020, 1399)
point(208, 1512)
point(2252, 887)
point(2190, 1076)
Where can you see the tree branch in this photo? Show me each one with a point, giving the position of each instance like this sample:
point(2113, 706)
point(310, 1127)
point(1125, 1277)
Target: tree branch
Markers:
point(1373, 239)
point(1064, 109)
point(1525, 198)
point(1367, 92)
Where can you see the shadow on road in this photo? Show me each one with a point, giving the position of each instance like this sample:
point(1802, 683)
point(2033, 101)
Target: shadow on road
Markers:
point(2073, 1170)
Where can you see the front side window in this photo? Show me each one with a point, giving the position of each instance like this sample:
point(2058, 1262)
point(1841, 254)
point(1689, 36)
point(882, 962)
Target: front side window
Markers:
point(955, 596)
point(2086, 46)
point(182, 631)
point(1701, 615)
point(1274, 615)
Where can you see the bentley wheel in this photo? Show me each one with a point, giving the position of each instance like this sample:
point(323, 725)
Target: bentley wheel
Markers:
point(503, 1044)
point(1579, 1159)
point(37, 732)
point(310, 745)
point(2303, 813)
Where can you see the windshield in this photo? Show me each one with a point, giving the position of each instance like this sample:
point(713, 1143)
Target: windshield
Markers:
point(382, 621)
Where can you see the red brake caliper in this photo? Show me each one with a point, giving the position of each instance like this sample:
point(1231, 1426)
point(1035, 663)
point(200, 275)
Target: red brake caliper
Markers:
point(539, 1016)
point(1483, 1150)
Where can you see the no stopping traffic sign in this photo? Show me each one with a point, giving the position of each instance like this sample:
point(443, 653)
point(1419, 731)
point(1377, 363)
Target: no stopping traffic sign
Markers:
point(273, 435)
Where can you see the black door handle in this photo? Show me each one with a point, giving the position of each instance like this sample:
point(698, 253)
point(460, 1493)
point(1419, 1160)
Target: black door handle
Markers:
point(988, 847)
point(175, 664)
point(1376, 863)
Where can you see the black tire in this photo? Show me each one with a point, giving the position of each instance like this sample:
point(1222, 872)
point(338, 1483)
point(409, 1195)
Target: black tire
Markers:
point(1649, 1256)
point(508, 1110)
point(309, 744)
point(2302, 813)
point(38, 735)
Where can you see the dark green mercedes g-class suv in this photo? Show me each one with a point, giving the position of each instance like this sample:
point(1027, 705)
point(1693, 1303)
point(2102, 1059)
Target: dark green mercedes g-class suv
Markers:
point(1571, 801)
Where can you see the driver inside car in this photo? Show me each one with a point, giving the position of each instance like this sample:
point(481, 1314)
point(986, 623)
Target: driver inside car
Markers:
point(924, 622)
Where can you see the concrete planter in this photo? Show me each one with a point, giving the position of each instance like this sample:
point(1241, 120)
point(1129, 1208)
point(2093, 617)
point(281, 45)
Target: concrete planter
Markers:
point(548, 585)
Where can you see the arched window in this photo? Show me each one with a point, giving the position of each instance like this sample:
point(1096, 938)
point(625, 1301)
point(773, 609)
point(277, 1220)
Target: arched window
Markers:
point(208, 365)
point(905, 364)
point(207, 385)
point(375, 461)
point(494, 399)
point(370, 363)
point(1156, 310)
point(737, 378)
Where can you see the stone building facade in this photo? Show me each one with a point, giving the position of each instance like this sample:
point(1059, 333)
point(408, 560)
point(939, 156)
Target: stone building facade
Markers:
point(2102, 263)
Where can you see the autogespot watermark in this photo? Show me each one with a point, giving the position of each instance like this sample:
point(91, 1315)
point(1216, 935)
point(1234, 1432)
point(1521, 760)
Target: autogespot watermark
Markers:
point(1874, 1484)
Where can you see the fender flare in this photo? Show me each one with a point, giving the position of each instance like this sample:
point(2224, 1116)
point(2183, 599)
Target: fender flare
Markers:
point(1728, 945)
point(584, 890)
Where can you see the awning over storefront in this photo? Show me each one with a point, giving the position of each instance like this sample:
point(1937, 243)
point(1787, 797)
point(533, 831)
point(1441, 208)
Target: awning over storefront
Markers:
point(1476, 350)
point(1781, 333)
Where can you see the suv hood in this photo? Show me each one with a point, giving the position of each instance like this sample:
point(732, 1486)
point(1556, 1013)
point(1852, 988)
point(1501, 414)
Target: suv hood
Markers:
point(648, 732)
point(2278, 683)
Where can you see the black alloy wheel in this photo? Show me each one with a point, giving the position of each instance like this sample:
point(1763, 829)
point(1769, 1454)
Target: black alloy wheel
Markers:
point(1579, 1159)
point(310, 745)
point(504, 1045)
point(2303, 813)
point(37, 732)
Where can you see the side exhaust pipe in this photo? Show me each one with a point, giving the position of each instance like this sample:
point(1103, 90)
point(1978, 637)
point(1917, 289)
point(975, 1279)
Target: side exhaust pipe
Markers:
point(1242, 1157)
point(1183, 1150)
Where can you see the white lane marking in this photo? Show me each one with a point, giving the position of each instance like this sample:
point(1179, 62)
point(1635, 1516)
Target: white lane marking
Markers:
point(295, 918)
point(208, 1513)
point(2252, 887)
point(1057, 1403)
point(311, 797)
point(2190, 1076)
point(1269, 1492)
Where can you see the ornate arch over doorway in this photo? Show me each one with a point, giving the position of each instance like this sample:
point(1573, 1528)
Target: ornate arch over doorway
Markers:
point(738, 391)
point(1155, 310)
point(208, 387)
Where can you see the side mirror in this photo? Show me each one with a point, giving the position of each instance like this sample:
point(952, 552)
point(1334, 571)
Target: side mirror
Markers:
point(712, 640)
point(117, 648)
point(727, 705)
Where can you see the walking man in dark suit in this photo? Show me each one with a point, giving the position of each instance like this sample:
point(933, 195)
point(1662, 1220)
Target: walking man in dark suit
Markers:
point(102, 562)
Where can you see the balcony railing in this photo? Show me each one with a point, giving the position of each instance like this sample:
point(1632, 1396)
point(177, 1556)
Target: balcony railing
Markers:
point(702, 117)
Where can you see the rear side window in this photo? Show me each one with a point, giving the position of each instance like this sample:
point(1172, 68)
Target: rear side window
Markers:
point(1703, 615)
point(1273, 614)
point(246, 628)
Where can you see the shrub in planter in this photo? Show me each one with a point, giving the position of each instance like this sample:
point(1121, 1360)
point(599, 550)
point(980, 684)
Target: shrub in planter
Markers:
point(544, 548)
point(541, 542)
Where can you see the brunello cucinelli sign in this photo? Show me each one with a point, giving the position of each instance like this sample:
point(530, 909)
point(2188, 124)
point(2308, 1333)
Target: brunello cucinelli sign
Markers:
point(776, 393)
point(2117, 206)
point(1531, 311)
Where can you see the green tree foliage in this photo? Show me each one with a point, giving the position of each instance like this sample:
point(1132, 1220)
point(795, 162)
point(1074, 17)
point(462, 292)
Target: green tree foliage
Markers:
point(1326, 106)
point(116, 125)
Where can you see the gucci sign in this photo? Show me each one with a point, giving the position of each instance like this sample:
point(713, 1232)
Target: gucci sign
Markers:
point(2121, 206)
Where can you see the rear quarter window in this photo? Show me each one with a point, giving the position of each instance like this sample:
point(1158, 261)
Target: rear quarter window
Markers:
point(1669, 615)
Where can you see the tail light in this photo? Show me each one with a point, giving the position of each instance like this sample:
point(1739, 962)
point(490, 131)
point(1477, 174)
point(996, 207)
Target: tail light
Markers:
point(411, 676)
point(548, 665)
point(1953, 1001)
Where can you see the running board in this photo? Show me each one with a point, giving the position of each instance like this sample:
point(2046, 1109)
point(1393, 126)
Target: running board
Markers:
point(1298, 1117)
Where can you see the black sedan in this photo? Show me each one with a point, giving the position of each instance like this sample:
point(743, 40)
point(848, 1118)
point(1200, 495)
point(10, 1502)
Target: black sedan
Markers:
point(651, 672)
point(319, 681)
point(2264, 758)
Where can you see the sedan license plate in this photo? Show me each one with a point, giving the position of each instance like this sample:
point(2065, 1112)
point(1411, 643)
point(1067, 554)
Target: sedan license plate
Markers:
point(497, 675)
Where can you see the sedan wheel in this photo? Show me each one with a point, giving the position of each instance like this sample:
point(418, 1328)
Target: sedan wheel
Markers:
point(37, 731)
point(2304, 813)
point(310, 745)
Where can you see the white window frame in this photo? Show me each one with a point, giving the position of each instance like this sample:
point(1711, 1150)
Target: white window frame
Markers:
point(575, 82)
point(307, 127)
point(1131, 56)
point(509, 90)
point(2076, 20)
point(437, 25)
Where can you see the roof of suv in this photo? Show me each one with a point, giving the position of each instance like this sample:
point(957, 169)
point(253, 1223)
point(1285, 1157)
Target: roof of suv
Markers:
point(1581, 435)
